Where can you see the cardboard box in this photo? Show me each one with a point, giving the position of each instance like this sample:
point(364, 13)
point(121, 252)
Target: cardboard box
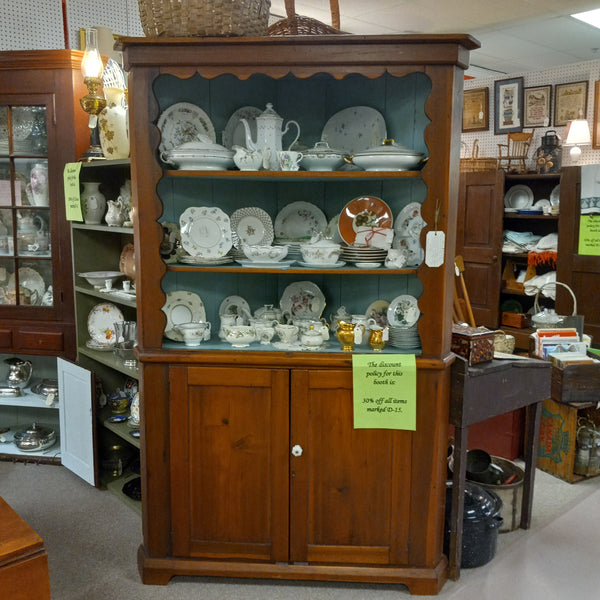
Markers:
point(558, 438)
point(475, 344)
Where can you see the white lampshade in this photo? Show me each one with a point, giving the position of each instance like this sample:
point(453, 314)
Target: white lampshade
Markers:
point(578, 134)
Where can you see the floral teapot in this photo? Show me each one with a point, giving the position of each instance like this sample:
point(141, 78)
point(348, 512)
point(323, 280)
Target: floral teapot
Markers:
point(269, 134)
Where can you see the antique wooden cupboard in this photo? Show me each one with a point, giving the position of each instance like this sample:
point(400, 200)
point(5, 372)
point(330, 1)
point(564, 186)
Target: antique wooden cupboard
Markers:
point(222, 492)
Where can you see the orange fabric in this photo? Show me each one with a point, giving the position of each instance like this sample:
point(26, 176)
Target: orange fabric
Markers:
point(548, 258)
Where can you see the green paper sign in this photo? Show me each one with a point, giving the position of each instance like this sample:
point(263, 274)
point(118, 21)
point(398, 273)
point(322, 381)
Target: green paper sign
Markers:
point(589, 235)
point(72, 197)
point(385, 391)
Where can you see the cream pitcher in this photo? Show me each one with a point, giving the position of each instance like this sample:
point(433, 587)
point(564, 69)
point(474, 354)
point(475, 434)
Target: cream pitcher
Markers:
point(269, 136)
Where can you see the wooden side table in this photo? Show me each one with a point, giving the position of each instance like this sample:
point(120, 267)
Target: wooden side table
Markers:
point(478, 393)
point(23, 559)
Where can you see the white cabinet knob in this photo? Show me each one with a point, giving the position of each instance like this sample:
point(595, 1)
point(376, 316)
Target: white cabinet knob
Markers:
point(297, 450)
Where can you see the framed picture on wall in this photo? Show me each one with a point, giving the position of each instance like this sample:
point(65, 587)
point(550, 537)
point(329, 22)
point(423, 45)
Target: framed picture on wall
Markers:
point(596, 117)
point(570, 102)
point(537, 103)
point(476, 110)
point(508, 105)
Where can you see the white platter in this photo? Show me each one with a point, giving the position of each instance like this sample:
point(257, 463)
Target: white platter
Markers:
point(339, 263)
point(403, 311)
point(299, 220)
point(555, 196)
point(234, 133)
point(273, 264)
point(252, 226)
point(101, 323)
point(518, 196)
point(205, 231)
point(355, 129)
point(183, 122)
point(234, 305)
point(302, 299)
point(182, 307)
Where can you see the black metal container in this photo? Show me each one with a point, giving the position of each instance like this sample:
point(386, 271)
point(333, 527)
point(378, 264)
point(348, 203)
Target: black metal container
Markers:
point(548, 157)
point(481, 522)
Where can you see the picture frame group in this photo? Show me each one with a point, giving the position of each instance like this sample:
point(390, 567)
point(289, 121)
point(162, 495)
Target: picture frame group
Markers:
point(517, 107)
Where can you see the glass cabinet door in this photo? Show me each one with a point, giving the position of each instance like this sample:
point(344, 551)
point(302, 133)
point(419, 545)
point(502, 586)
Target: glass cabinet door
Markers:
point(25, 248)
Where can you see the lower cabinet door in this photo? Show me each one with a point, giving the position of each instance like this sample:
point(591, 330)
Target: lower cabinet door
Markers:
point(350, 488)
point(229, 431)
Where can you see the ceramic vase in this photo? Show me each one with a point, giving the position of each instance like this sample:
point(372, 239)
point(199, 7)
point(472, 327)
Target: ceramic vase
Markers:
point(113, 125)
point(93, 203)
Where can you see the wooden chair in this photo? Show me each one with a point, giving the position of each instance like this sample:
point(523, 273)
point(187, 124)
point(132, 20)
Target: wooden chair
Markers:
point(513, 154)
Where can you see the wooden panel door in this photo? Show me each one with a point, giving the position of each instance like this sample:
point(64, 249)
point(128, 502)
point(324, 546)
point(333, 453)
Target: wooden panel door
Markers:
point(229, 462)
point(350, 488)
point(581, 273)
point(479, 241)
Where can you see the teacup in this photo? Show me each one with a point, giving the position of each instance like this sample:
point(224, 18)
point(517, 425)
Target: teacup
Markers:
point(265, 333)
point(287, 333)
point(289, 160)
point(194, 332)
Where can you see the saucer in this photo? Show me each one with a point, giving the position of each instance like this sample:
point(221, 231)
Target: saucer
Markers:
point(367, 265)
point(335, 265)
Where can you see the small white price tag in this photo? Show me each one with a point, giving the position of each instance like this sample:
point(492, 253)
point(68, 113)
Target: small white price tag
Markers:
point(434, 248)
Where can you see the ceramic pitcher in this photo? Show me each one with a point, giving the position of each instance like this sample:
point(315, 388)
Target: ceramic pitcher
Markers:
point(269, 134)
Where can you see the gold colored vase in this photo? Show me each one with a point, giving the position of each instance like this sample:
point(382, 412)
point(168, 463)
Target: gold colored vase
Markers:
point(376, 340)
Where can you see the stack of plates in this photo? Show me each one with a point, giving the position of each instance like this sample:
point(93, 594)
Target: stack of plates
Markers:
point(405, 338)
point(205, 262)
point(294, 252)
point(366, 254)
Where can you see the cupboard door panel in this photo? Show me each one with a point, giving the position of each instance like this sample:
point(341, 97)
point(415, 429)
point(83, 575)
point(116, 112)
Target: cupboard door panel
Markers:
point(479, 241)
point(350, 487)
point(229, 462)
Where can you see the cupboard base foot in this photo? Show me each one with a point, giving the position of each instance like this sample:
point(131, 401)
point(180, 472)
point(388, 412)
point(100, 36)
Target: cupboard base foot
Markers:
point(419, 581)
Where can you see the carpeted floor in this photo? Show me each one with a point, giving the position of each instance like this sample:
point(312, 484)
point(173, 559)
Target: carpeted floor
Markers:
point(92, 539)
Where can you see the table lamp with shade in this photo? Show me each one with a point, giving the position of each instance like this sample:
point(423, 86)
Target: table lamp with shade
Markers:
point(93, 102)
point(577, 135)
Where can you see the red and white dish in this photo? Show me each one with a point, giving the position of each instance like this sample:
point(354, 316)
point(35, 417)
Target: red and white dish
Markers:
point(364, 211)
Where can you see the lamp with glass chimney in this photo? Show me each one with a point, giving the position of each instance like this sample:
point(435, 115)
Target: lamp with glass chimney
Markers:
point(94, 102)
point(578, 134)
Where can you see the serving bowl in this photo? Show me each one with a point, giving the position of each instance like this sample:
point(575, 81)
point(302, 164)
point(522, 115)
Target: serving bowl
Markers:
point(34, 438)
point(265, 253)
point(240, 336)
point(323, 252)
point(200, 155)
point(98, 278)
point(322, 158)
point(387, 157)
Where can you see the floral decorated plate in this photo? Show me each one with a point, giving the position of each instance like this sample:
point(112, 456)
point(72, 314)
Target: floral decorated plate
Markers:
point(182, 307)
point(252, 226)
point(364, 211)
point(30, 279)
point(403, 312)
point(101, 323)
point(409, 221)
point(519, 196)
point(355, 129)
point(205, 232)
point(234, 305)
point(303, 299)
point(378, 310)
point(299, 220)
point(181, 123)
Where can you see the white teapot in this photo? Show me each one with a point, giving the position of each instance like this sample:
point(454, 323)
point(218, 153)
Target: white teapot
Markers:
point(114, 215)
point(269, 134)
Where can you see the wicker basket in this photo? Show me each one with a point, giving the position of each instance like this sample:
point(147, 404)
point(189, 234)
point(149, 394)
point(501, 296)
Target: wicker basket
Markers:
point(475, 164)
point(191, 18)
point(297, 25)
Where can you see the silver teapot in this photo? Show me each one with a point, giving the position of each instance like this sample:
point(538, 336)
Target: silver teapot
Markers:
point(19, 372)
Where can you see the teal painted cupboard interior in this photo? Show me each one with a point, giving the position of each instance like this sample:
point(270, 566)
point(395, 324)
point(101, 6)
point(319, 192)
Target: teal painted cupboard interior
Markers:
point(311, 102)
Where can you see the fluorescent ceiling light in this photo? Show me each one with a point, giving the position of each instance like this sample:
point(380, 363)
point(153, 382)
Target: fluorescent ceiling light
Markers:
point(591, 16)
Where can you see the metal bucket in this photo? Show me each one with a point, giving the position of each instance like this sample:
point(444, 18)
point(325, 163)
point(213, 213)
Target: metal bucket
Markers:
point(511, 494)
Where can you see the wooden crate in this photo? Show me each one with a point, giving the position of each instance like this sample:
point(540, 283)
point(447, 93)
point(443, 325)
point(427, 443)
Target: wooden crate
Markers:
point(576, 383)
point(558, 434)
